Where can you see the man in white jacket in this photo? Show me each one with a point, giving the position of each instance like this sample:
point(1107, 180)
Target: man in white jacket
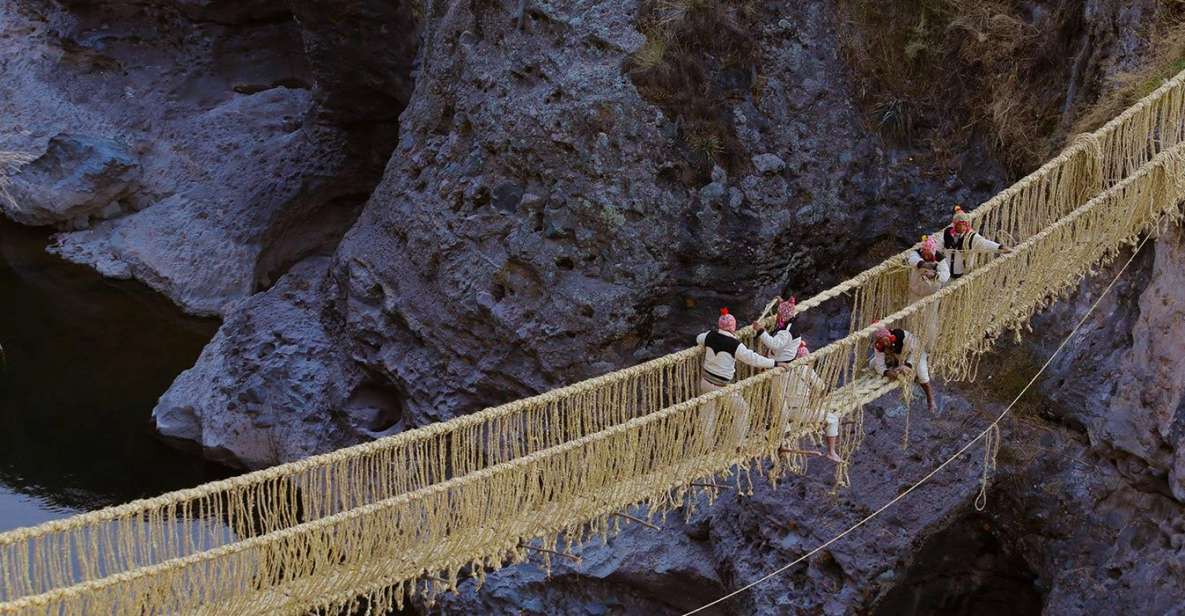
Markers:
point(722, 351)
point(898, 350)
point(793, 391)
point(929, 271)
point(780, 341)
point(962, 244)
point(800, 385)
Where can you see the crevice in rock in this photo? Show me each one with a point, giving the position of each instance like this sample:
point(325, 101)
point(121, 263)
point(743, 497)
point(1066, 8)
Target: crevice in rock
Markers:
point(965, 570)
point(294, 83)
point(377, 408)
point(312, 229)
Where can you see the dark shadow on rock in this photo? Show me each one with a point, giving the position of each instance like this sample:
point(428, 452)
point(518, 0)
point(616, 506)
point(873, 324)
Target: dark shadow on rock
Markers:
point(964, 570)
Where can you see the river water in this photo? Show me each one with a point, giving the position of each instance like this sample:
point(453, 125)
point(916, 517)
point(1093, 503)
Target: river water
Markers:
point(85, 360)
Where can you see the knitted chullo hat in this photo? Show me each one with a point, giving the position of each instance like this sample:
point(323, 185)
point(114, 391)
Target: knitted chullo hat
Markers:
point(786, 311)
point(929, 244)
point(883, 332)
point(960, 216)
point(726, 322)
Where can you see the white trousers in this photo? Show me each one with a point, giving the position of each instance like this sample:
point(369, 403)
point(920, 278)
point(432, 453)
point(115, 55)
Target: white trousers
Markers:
point(922, 370)
point(791, 397)
point(740, 422)
point(927, 321)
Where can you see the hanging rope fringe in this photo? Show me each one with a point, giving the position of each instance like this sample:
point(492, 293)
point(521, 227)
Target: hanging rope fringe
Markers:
point(378, 520)
point(991, 450)
point(905, 380)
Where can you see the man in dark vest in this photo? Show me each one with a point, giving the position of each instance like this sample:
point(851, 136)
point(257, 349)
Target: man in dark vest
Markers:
point(722, 350)
point(963, 245)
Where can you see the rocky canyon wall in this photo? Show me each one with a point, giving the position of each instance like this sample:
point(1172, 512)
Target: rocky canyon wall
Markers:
point(407, 212)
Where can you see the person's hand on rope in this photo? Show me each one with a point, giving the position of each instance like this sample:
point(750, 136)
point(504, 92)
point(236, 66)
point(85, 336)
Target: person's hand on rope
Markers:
point(758, 327)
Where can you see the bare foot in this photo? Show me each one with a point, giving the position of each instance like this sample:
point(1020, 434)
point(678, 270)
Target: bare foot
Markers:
point(834, 457)
point(933, 408)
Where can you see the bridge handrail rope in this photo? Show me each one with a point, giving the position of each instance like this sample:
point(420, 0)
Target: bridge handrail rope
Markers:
point(96, 544)
point(478, 520)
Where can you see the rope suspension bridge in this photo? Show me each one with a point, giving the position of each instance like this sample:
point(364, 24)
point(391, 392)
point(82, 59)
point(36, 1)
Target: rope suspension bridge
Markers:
point(407, 515)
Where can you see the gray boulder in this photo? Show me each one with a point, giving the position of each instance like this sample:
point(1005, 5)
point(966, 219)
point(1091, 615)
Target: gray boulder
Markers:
point(78, 176)
point(272, 385)
point(769, 163)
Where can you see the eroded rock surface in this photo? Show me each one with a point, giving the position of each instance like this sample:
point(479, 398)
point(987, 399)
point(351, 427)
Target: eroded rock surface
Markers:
point(289, 390)
point(201, 147)
point(538, 222)
point(1098, 540)
point(78, 177)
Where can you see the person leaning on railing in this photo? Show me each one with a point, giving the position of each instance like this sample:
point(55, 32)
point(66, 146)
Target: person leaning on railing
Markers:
point(793, 390)
point(929, 271)
point(802, 384)
point(899, 351)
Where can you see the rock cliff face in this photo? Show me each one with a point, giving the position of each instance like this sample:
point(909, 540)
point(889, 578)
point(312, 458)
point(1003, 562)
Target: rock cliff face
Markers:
point(202, 147)
point(546, 197)
point(325, 399)
point(1121, 381)
point(538, 223)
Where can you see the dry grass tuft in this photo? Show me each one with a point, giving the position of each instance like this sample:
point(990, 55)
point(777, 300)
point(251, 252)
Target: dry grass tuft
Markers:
point(936, 73)
point(699, 56)
point(10, 162)
point(652, 53)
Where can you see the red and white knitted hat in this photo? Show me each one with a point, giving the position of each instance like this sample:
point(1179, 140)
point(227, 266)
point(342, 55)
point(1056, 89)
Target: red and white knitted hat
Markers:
point(786, 311)
point(726, 322)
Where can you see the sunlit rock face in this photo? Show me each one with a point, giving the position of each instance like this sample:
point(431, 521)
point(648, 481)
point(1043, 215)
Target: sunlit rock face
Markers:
point(1121, 380)
point(1146, 416)
point(77, 177)
point(201, 147)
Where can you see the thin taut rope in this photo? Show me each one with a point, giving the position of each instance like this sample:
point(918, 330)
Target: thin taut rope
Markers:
point(992, 426)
